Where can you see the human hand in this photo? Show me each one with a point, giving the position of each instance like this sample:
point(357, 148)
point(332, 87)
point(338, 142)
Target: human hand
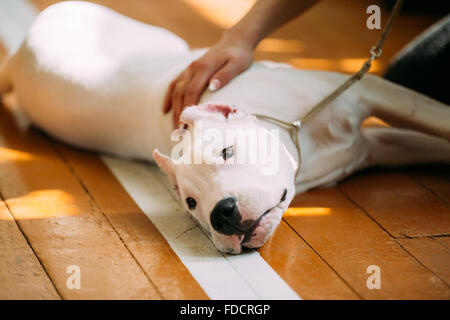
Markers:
point(218, 66)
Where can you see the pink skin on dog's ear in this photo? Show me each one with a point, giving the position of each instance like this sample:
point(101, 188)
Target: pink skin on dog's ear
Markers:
point(193, 113)
point(224, 109)
point(166, 165)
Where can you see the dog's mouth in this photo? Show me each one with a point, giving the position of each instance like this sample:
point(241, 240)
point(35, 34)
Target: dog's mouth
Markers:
point(249, 233)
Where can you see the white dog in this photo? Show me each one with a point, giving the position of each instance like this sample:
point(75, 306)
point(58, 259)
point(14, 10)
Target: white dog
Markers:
point(96, 79)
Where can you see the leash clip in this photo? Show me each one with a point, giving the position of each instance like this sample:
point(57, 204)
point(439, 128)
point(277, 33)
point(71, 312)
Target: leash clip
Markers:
point(375, 52)
point(297, 124)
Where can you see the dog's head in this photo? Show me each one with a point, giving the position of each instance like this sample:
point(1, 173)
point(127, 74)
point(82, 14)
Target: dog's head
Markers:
point(233, 175)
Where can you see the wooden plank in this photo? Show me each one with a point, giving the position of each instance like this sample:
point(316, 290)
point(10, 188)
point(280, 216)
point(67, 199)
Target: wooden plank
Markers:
point(141, 237)
point(444, 241)
point(62, 223)
point(350, 242)
point(302, 268)
point(434, 178)
point(21, 275)
point(322, 28)
point(431, 253)
point(398, 203)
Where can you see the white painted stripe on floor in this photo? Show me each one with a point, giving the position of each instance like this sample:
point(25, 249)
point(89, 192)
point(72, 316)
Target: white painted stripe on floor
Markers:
point(269, 289)
point(15, 18)
point(246, 276)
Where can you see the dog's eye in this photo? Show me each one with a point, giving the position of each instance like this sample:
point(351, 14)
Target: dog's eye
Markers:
point(227, 153)
point(283, 197)
point(191, 203)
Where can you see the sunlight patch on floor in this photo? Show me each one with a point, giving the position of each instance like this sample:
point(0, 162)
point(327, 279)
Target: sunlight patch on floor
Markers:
point(43, 204)
point(307, 211)
point(221, 13)
point(8, 155)
point(280, 45)
point(339, 65)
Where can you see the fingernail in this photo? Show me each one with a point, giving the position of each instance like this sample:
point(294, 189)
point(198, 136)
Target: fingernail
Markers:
point(214, 85)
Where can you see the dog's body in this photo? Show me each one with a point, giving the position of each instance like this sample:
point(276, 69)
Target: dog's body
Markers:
point(96, 79)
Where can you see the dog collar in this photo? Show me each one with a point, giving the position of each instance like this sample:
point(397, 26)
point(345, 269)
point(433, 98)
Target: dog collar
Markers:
point(293, 128)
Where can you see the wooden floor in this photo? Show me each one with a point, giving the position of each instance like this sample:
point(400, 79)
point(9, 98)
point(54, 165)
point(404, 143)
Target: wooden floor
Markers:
point(61, 206)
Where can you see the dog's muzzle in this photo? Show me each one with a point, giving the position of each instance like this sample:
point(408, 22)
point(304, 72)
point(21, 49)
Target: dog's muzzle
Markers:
point(226, 218)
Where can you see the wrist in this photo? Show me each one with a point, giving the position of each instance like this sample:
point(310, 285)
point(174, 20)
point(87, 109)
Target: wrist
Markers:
point(241, 36)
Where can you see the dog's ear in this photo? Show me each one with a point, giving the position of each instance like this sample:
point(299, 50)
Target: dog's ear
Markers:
point(166, 165)
point(208, 110)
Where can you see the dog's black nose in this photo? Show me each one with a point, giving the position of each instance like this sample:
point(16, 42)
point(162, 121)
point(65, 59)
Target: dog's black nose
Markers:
point(225, 217)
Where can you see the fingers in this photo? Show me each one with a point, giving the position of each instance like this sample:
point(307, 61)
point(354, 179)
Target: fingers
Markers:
point(177, 98)
point(215, 69)
point(167, 105)
point(214, 84)
point(179, 93)
point(191, 85)
point(172, 98)
point(196, 86)
point(225, 75)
